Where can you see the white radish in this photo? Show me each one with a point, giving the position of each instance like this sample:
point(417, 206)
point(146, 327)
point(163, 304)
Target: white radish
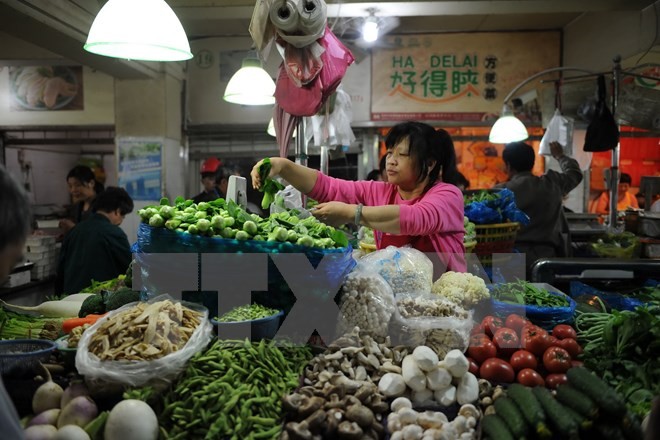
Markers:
point(412, 374)
point(457, 364)
point(77, 297)
point(49, 309)
point(48, 417)
point(75, 389)
point(425, 358)
point(438, 379)
point(71, 432)
point(47, 396)
point(446, 396)
point(131, 420)
point(80, 411)
point(40, 432)
point(468, 389)
point(392, 385)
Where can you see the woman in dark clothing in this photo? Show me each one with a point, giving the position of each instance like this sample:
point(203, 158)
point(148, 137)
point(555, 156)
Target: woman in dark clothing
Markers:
point(83, 188)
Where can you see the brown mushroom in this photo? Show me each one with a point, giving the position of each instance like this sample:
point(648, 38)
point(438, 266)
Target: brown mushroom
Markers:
point(349, 430)
point(315, 420)
point(292, 402)
point(310, 405)
point(361, 415)
point(334, 402)
point(298, 431)
point(332, 420)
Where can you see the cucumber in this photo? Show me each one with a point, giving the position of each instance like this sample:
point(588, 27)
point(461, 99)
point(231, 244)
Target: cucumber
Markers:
point(605, 397)
point(509, 412)
point(495, 428)
point(530, 408)
point(631, 428)
point(577, 401)
point(564, 424)
point(583, 422)
point(608, 431)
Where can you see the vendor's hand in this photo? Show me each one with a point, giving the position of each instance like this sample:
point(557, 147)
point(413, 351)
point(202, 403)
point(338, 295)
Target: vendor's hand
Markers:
point(334, 213)
point(276, 164)
point(66, 225)
point(556, 149)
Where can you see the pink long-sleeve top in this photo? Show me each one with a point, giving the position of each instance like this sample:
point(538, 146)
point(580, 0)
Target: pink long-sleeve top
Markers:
point(436, 216)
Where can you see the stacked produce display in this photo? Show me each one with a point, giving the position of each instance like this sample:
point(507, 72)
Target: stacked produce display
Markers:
point(412, 357)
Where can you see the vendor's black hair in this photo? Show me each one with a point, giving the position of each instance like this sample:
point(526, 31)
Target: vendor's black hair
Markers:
point(84, 174)
point(373, 175)
point(426, 144)
point(625, 178)
point(111, 199)
point(15, 215)
point(382, 164)
point(519, 156)
point(462, 180)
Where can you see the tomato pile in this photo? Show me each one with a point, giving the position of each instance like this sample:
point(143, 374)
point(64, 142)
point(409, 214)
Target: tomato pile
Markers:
point(515, 350)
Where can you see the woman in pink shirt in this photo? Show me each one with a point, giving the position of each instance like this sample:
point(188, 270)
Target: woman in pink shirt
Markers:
point(417, 206)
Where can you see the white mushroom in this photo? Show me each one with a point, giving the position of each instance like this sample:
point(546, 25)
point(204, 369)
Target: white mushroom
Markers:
point(468, 410)
point(412, 432)
point(400, 402)
point(425, 358)
point(407, 416)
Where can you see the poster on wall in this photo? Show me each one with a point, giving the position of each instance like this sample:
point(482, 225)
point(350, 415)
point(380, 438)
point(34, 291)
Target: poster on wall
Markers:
point(140, 167)
point(456, 77)
point(46, 88)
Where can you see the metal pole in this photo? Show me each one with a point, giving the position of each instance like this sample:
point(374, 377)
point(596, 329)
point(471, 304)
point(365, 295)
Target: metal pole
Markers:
point(301, 151)
point(614, 170)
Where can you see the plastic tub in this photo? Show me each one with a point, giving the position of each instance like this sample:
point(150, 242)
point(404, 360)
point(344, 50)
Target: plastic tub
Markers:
point(258, 329)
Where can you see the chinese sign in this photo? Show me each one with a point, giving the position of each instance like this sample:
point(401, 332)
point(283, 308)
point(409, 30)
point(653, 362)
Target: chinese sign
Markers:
point(455, 77)
point(140, 167)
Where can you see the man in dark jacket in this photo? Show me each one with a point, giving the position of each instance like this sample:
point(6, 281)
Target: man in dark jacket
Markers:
point(14, 227)
point(540, 197)
point(96, 249)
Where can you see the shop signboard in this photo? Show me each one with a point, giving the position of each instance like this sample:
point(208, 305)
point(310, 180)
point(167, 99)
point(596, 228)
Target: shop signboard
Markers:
point(456, 77)
point(140, 167)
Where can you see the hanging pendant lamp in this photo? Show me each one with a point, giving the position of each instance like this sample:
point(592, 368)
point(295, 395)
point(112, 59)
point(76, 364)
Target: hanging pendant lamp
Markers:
point(251, 84)
point(147, 30)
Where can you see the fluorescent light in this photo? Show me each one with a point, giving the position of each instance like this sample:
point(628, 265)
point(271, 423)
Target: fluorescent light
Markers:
point(370, 29)
point(507, 128)
point(251, 85)
point(146, 30)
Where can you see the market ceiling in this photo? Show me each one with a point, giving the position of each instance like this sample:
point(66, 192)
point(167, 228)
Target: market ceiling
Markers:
point(61, 26)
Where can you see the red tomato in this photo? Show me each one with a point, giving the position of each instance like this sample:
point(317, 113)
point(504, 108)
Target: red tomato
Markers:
point(534, 339)
point(563, 331)
point(506, 340)
point(571, 346)
point(552, 341)
point(552, 381)
point(481, 349)
point(497, 370)
point(477, 329)
point(473, 366)
point(536, 328)
point(530, 378)
point(491, 324)
point(556, 360)
point(522, 359)
point(577, 364)
point(515, 322)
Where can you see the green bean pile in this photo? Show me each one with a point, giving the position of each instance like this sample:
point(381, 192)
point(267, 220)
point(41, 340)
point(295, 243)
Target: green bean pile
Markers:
point(233, 390)
point(247, 313)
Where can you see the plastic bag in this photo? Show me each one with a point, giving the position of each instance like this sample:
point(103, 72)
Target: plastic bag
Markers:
point(427, 319)
point(289, 198)
point(405, 269)
point(543, 316)
point(560, 129)
point(366, 301)
point(496, 209)
point(335, 128)
point(614, 300)
point(140, 373)
point(603, 131)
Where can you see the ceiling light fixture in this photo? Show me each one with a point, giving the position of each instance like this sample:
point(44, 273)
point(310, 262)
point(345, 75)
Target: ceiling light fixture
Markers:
point(508, 128)
point(370, 27)
point(251, 84)
point(147, 30)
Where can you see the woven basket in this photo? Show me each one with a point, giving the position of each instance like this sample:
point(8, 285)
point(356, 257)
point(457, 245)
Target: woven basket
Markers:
point(492, 239)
